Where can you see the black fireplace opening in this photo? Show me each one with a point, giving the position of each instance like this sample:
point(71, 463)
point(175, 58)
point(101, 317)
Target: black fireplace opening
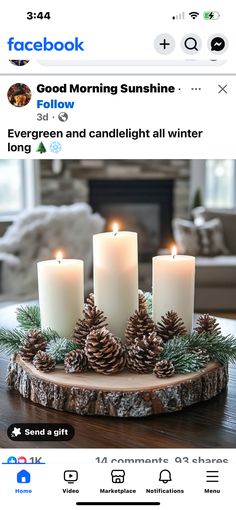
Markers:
point(142, 206)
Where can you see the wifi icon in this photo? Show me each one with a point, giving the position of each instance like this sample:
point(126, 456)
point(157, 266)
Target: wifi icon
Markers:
point(194, 14)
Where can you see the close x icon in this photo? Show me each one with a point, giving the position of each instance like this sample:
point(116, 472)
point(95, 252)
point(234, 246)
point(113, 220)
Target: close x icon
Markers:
point(222, 88)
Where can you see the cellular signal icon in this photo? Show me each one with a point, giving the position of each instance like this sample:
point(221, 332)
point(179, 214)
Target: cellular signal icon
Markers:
point(181, 15)
point(193, 14)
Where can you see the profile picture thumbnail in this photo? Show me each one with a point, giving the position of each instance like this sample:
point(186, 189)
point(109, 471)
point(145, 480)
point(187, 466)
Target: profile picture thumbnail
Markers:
point(19, 62)
point(19, 95)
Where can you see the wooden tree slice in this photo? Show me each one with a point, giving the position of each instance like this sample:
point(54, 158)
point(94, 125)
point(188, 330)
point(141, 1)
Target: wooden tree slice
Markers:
point(120, 395)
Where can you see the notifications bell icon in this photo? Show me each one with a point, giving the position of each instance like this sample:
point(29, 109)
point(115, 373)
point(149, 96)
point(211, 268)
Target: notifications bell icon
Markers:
point(165, 476)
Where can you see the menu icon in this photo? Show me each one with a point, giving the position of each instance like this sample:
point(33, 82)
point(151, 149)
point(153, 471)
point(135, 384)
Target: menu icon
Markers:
point(212, 476)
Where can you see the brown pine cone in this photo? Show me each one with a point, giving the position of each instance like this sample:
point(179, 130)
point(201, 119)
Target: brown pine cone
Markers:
point(91, 312)
point(76, 361)
point(44, 362)
point(171, 325)
point(139, 324)
point(207, 324)
point(33, 342)
point(142, 354)
point(164, 368)
point(105, 352)
point(90, 300)
point(142, 301)
point(201, 353)
point(81, 330)
point(93, 319)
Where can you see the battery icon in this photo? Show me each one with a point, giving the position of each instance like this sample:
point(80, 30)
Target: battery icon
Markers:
point(211, 15)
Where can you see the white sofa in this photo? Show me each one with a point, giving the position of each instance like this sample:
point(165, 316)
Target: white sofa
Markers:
point(216, 276)
point(37, 235)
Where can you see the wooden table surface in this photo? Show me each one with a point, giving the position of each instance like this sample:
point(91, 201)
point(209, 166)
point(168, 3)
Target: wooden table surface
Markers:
point(210, 424)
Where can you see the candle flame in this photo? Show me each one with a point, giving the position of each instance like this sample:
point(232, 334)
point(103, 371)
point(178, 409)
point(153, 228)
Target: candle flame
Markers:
point(115, 229)
point(174, 252)
point(59, 257)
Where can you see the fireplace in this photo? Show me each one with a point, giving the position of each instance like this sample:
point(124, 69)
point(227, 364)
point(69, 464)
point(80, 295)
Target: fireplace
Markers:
point(144, 206)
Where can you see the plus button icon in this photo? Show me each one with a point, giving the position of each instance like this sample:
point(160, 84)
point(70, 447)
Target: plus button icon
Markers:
point(164, 44)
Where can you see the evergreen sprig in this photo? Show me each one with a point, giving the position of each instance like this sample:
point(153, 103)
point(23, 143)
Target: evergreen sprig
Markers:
point(183, 360)
point(219, 348)
point(28, 317)
point(148, 297)
point(10, 340)
point(59, 347)
point(50, 335)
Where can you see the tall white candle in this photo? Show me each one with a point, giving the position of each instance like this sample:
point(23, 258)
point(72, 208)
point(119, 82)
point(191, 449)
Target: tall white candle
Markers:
point(173, 279)
point(115, 256)
point(61, 294)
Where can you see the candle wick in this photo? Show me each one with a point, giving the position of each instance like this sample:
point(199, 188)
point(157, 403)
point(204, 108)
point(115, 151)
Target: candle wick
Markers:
point(59, 261)
point(173, 256)
point(115, 233)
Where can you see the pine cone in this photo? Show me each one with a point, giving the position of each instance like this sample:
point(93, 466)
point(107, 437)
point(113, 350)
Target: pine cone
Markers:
point(91, 312)
point(105, 352)
point(142, 354)
point(33, 342)
point(171, 325)
point(202, 353)
point(139, 324)
point(142, 305)
point(164, 368)
point(44, 362)
point(90, 300)
point(207, 324)
point(76, 361)
point(93, 319)
point(81, 330)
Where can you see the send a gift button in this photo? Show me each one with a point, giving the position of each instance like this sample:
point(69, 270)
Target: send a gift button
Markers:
point(40, 432)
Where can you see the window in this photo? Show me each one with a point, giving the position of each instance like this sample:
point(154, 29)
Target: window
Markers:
point(11, 187)
point(220, 183)
point(216, 181)
point(18, 186)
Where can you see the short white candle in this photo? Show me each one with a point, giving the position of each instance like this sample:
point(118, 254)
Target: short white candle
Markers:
point(61, 294)
point(115, 256)
point(173, 280)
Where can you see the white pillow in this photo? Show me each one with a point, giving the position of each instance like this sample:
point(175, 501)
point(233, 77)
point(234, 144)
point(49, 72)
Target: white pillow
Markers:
point(206, 239)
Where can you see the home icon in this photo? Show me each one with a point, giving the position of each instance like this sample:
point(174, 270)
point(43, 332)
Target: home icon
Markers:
point(23, 476)
point(118, 476)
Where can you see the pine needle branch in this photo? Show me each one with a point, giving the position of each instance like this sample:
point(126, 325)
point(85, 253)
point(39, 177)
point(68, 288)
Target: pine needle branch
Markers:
point(148, 297)
point(183, 360)
point(28, 317)
point(59, 347)
point(10, 341)
point(50, 334)
point(219, 348)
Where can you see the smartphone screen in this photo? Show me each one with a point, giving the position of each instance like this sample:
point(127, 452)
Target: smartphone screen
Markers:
point(117, 254)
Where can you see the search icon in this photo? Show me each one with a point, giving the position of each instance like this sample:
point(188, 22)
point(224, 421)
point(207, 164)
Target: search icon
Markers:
point(191, 43)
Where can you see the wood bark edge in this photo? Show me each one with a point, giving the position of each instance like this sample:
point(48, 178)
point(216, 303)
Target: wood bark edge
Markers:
point(135, 403)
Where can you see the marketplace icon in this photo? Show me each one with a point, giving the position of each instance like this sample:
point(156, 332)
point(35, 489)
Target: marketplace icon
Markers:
point(118, 476)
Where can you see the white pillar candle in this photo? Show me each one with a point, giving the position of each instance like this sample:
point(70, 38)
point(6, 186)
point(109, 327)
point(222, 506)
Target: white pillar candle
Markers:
point(173, 279)
point(115, 256)
point(61, 294)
